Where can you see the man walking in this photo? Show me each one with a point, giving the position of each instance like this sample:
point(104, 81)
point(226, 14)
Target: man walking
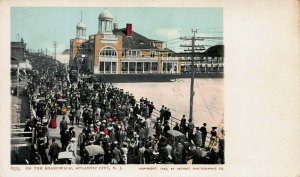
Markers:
point(204, 133)
point(116, 155)
point(63, 125)
point(72, 116)
point(151, 108)
point(162, 112)
point(78, 115)
point(53, 151)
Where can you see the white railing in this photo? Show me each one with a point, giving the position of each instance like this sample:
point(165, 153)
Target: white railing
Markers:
point(139, 59)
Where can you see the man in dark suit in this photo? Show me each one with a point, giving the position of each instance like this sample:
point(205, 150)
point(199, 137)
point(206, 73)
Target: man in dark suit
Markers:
point(54, 151)
point(117, 155)
point(204, 133)
point(151, 108)
point(63, 125)
point(183, 127)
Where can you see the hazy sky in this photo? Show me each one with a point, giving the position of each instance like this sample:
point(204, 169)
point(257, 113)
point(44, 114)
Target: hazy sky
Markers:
point(39, 26)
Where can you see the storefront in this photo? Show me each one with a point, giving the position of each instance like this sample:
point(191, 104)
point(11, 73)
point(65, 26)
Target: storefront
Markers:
point(139, 67)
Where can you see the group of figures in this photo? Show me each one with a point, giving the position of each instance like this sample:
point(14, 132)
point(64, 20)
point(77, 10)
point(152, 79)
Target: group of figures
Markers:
point(115, 128)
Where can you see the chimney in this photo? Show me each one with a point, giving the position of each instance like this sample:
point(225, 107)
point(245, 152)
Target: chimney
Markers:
point(128, 29)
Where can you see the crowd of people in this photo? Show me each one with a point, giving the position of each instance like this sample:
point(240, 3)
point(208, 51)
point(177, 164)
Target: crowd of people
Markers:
point(117, 128)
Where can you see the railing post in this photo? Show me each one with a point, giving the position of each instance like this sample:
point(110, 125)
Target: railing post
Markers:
point(33, 135)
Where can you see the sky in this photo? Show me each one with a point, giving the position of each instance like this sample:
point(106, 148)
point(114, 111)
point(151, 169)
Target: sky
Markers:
point(40, 26)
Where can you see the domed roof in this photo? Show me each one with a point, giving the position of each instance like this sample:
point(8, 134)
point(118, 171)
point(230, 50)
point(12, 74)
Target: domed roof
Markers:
point(105, 15)
point(81, 25)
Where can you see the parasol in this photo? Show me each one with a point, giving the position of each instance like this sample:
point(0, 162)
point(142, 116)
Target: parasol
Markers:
point(94, 150)
point(65, 155)
point(175, 133)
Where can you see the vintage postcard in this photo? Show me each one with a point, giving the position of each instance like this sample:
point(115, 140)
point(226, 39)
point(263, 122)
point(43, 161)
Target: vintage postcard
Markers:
point(105, 89)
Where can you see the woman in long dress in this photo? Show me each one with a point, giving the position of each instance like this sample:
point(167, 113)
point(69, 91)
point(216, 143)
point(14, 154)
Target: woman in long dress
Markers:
point(53, 123)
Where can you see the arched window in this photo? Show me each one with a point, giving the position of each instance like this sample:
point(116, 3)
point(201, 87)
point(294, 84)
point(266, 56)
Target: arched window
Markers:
point(108, 61)
point(108, 52)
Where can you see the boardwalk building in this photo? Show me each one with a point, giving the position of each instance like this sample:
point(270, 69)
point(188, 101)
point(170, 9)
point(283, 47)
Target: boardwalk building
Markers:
point(123, 51)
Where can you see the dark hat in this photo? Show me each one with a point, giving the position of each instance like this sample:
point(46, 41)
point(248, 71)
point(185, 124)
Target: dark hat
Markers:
point(204, 124)
point(197, 128)
point(214, 128)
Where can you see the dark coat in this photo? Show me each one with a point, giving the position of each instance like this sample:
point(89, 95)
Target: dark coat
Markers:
point(203, 131)
point(183, 123)
point(54, 150)
point(63, 126)
point(116, 154)
point(166, 129)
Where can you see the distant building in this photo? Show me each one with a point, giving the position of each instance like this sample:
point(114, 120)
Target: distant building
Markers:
point(123, 51)
point(19, 65)
point(18, 50)
point(210, 61)
point(66, 51)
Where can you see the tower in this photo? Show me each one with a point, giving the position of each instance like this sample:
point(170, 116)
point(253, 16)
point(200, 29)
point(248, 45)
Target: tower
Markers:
point(105, 22)
point(81, 30)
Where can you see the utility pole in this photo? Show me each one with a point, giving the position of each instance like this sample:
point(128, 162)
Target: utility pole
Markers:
point(192, 76)
point(54, 45)
point(18, 79)
point(193, 38)
point(194, 48)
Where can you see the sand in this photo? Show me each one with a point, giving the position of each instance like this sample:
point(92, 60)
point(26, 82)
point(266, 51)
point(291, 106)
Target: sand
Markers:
point(208, 98)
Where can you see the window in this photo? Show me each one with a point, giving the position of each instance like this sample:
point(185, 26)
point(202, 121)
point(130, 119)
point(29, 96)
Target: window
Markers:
point(164, 66)
point(209, 60)
point(146, 66)
point(108, 52)
point(101, 66)
point(132, 66)
point(133, 53)
point(139, 66)
point(124, 66)
point(154, 66)
point(107, 66)
point(152, 54)
point(169, 67)
point(114, 67)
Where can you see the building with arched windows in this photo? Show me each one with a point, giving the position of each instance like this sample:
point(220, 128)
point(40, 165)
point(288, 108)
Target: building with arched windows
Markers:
point(123, 51)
